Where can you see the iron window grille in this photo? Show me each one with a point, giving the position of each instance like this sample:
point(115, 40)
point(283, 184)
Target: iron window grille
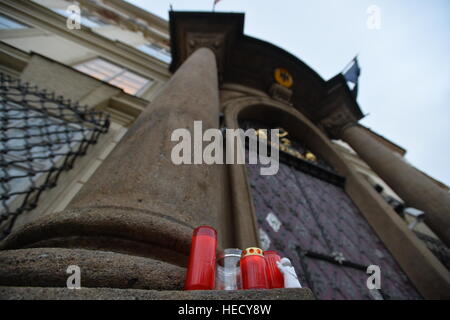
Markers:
point(41, 136)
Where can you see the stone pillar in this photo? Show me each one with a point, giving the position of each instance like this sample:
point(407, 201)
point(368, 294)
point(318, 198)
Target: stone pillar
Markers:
point(416, 189)
point(138, 202)
point(139, 174)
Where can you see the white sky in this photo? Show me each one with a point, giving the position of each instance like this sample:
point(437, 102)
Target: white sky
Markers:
point(405, 78)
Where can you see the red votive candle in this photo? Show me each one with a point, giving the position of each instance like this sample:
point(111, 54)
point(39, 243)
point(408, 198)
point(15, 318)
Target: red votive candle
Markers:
point(253, 269)
point(201, 271)
point(274, 276)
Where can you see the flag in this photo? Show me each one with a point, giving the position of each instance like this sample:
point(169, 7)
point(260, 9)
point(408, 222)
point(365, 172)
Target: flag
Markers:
point(214, 4)
point(352, 75)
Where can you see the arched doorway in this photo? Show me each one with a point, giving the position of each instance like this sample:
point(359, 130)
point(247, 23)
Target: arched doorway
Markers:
point(304, 213)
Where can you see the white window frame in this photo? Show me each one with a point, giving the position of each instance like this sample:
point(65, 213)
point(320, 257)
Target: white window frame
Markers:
point(138, 93)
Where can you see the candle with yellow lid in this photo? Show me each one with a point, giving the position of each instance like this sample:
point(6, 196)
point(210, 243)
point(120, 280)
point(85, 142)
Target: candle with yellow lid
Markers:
point(253, 269)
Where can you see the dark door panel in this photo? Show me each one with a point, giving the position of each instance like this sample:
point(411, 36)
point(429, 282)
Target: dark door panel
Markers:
point(328, 240)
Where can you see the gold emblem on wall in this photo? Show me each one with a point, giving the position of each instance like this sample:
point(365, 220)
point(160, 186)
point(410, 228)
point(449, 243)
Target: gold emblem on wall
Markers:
point(283, 77)
point(286, 145)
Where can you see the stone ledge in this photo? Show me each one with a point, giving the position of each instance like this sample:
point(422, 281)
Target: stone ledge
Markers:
point(46, 267)
point(39, 293)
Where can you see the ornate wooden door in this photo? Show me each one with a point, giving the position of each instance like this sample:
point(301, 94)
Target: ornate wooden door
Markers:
point(304, 213)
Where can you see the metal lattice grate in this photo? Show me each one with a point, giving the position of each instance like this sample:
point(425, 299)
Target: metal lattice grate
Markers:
point(41, 136)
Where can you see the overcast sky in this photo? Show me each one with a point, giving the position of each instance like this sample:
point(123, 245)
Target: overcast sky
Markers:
point(405, 79)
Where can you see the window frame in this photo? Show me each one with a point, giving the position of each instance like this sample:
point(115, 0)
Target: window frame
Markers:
point(24, 26)
point(139, 92)
point(87, 19)
point(157, 48)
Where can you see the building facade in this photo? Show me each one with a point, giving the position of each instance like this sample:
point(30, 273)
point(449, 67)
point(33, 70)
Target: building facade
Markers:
point(88, 107)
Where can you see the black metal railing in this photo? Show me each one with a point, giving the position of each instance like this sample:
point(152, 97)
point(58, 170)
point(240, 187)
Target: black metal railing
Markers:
point(41, 135)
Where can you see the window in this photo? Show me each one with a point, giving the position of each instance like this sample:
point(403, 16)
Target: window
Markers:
point(87, 19)
point(101, 69)
point(8, 23)
point(156, 51)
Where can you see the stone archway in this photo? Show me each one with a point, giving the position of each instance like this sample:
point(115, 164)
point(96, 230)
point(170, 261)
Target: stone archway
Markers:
point(404, 247)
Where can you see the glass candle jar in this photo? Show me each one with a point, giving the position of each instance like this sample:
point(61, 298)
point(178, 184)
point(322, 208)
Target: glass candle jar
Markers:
point(228, 272)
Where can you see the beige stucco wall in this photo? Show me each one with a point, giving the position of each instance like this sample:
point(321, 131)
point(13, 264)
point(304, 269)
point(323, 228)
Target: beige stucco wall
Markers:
point(53, 47)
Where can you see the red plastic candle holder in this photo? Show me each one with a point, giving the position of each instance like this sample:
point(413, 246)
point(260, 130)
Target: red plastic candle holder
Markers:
point(202, 260)
point(253, 269)
point(274, 276)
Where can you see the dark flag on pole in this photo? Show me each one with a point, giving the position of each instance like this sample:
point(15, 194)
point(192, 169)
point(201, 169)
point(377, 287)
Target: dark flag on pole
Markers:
point(214, 4)
point(352, 75)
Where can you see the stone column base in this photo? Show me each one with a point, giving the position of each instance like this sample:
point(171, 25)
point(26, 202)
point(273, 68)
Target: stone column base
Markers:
point(47, 267)
point(40, 273)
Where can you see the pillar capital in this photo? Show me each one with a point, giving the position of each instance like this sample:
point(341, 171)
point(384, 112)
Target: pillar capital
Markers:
point(339, 109)
point(213, 41)
point(190, 31)
point(337, 121)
